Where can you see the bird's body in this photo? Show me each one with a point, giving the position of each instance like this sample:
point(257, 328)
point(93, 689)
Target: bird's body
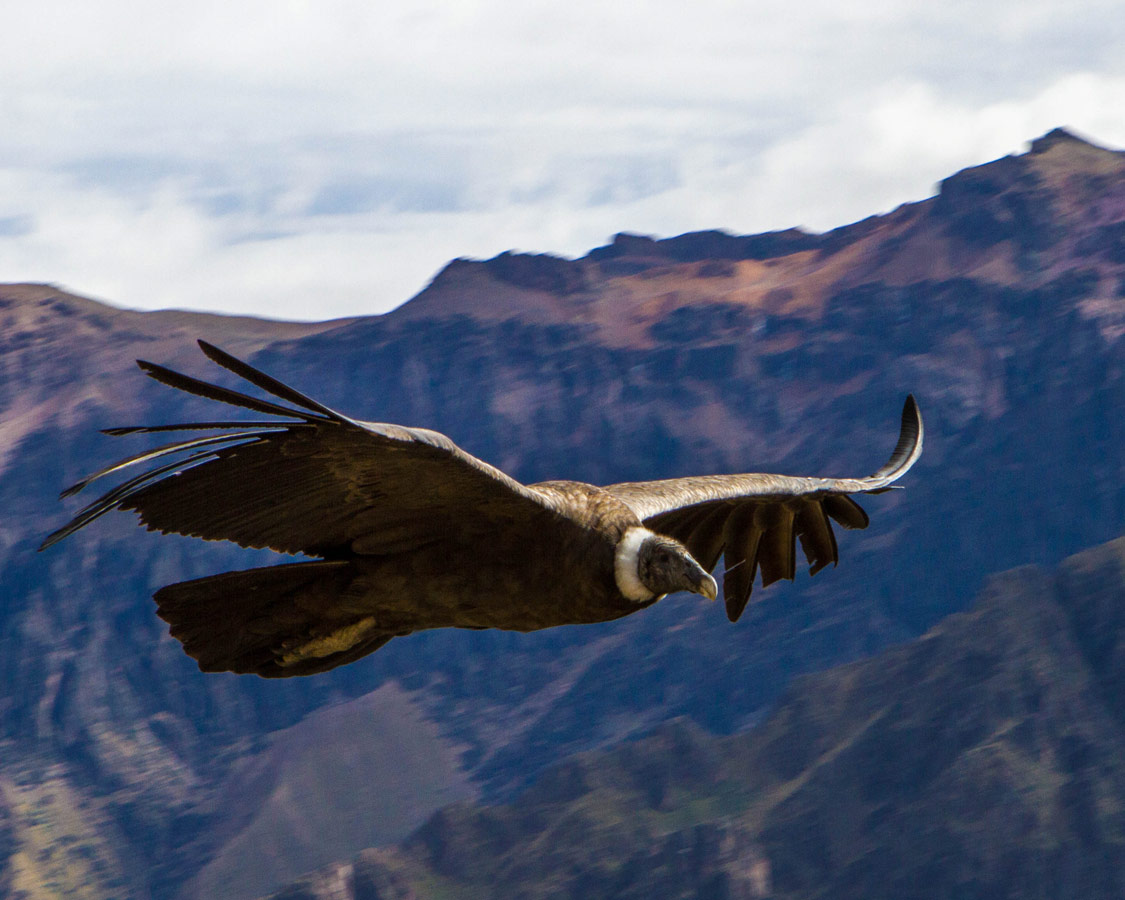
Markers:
point(413, 533)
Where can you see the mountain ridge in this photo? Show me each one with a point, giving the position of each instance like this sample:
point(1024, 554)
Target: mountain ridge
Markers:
point(974, 211)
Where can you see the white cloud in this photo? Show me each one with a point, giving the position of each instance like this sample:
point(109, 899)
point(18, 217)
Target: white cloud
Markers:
point(310, 159)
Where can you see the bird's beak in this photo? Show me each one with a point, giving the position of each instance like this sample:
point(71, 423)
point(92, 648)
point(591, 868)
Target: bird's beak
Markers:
point(707, 586)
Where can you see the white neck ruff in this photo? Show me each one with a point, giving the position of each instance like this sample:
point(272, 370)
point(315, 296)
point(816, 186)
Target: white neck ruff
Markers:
point(625, 564)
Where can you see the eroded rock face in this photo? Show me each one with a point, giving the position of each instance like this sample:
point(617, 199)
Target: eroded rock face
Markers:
point(787, 352)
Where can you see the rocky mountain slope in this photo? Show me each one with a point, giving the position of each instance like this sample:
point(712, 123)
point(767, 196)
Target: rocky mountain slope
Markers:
point(1000, 302)
point(985, 759)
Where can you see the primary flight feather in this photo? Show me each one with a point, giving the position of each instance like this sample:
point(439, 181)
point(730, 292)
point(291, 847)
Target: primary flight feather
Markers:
point(411, 532)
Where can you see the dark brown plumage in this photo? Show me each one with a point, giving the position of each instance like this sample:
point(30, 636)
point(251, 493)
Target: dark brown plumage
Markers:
point(413, 533)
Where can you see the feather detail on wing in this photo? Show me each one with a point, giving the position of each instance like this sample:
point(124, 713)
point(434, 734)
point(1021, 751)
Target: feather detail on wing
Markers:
point(756, 520)
point(315, 482)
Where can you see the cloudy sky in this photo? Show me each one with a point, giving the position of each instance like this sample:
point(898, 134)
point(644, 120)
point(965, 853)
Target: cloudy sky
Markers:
point(314, 158)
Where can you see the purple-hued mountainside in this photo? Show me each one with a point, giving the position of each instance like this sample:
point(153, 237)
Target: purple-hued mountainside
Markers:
point(985, 759)
point(1000, 303)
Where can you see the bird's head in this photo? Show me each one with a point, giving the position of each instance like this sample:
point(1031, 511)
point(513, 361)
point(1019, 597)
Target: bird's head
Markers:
point(650, 565)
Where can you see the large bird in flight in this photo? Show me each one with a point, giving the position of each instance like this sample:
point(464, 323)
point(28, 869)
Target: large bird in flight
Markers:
point(411, 532)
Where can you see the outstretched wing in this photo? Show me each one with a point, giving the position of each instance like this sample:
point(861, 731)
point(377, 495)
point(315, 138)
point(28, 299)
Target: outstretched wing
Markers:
point(316, 482)
point(755, 520)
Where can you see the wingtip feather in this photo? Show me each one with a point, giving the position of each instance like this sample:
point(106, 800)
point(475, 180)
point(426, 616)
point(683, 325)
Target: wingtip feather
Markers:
point(907, 449)
point(73, 489)
point(267, 382)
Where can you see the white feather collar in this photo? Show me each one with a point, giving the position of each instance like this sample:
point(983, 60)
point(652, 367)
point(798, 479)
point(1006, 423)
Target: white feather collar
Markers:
point(625, 564)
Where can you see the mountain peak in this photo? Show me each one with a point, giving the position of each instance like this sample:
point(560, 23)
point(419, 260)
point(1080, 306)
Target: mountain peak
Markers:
point(1062, 153)
point(1057, 136)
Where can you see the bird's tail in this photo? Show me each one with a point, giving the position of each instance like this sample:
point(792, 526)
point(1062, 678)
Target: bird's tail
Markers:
point(276, 621)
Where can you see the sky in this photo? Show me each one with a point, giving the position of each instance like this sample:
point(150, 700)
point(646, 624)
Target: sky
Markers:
point(309, 159)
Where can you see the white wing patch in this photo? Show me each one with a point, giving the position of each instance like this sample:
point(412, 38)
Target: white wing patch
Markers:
point(334, 642)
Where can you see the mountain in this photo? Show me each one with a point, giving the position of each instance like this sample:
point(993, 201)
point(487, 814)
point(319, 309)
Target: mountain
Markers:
point(985, 759)
point(1000, 302)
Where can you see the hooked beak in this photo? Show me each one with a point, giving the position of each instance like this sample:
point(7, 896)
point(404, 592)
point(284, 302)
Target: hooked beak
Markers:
point(706, 586)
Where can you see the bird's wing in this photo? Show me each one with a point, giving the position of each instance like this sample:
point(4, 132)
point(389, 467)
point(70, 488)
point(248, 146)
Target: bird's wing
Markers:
point(755, 520)
point(317, 482)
